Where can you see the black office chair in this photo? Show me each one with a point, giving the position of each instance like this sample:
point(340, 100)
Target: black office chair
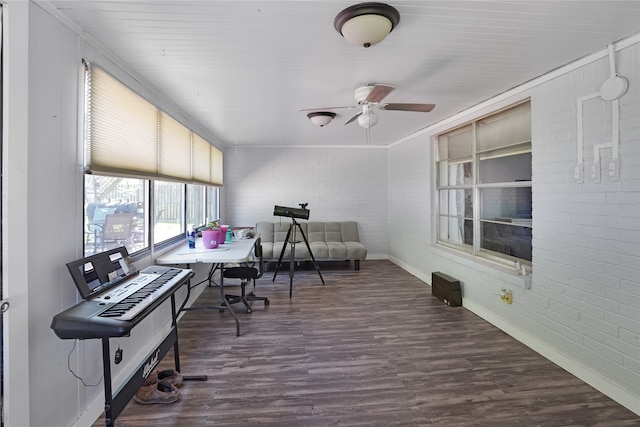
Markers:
point(246, 274)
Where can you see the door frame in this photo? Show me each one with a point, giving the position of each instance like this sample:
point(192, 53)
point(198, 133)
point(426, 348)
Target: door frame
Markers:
point(14, 193)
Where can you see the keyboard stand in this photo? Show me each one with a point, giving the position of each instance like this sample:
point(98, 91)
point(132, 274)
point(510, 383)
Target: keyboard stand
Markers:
point(115, 403)
point(100, 274)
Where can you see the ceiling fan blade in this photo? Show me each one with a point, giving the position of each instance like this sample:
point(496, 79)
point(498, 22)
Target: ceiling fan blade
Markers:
point(355, 116)
point(379, 92)
point(424, 108)
point(327, 108)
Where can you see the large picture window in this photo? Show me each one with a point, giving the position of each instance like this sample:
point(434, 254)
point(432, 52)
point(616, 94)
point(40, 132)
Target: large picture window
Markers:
point(484, 186)
point(117, 212)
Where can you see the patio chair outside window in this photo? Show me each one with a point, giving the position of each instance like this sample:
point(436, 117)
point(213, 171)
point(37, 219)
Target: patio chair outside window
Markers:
point(116, 229)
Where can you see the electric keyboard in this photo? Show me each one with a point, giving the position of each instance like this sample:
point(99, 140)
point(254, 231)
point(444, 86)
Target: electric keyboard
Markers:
point(114, 312)
point(117, 297)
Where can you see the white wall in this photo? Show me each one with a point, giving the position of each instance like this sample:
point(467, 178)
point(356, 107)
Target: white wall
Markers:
point(346, 184)
point(410, 226)
point(583, 308)
point(43, 222)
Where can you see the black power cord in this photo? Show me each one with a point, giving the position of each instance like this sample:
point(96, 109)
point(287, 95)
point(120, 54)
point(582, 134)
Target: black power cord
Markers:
point(75, 342)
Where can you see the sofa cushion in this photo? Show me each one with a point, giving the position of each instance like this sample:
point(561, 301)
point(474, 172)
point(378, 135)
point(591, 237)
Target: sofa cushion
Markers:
point(355, 250)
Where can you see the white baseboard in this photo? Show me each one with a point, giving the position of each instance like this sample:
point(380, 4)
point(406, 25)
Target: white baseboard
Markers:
point(426, 278)
point(597, 381)
point(376, 256)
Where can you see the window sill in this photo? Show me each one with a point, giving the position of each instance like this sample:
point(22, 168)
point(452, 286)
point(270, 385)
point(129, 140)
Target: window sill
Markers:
point(500, 271)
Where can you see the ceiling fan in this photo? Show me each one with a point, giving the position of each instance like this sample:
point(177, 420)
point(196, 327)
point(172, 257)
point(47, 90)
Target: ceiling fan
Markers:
point(369, 97)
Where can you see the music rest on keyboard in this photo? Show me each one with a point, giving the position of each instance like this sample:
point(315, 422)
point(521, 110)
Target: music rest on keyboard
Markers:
point(118, 309)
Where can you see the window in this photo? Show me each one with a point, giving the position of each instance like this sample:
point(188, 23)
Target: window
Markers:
point(484, 186)
point(168, 202)
point(117, 211)
point(195, 206)
point(148, 178)
point(212, 204)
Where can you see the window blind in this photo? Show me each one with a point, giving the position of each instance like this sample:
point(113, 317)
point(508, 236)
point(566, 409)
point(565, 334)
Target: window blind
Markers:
point(216, 159)
point(121, 128)
point(126, 135)
point(174, 159)
point(202, 159)
point(456, 146)
point(511, 127)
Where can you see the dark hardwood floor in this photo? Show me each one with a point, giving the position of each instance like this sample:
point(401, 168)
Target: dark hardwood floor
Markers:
point(369, 348)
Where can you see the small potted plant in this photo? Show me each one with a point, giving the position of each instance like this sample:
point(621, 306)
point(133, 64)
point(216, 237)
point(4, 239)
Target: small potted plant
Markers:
point(211, 234)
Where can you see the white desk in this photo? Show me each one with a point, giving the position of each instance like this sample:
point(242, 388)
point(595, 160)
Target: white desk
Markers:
point(236, 251)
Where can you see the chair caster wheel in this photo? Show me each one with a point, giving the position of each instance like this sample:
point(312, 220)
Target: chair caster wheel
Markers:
point(221, 310)
point(249, 310)
point(266, 302)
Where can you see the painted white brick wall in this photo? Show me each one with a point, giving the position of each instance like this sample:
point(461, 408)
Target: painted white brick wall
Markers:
point(346, 184)
point(410, 206)
point(583, 307)
point(588, 268)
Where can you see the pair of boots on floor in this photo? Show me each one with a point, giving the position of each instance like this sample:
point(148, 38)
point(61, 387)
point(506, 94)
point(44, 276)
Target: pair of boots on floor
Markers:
point(160, 387)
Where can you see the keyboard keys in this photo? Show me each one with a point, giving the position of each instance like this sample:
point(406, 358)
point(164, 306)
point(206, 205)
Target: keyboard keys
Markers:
point(130, 306)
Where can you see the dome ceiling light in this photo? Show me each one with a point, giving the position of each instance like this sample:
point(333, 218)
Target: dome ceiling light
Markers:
point(321, 118)
point(366, 24)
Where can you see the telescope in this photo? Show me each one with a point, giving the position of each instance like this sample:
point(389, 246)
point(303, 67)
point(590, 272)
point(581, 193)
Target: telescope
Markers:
point(302, 212)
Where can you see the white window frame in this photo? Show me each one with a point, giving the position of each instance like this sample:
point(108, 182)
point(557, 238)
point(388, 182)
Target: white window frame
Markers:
point(476, 187)
point(209, 209)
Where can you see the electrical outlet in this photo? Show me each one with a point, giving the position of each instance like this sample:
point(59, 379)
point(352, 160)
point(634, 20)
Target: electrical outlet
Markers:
point(506, 296)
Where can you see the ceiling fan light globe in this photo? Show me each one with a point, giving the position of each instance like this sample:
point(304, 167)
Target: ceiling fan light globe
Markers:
point(368, 120)
point(366, 30)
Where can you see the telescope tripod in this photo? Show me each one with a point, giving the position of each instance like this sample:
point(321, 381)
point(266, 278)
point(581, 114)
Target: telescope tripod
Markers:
point(291, 239)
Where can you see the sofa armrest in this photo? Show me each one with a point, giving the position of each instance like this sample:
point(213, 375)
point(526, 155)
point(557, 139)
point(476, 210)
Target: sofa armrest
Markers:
point(350, 231)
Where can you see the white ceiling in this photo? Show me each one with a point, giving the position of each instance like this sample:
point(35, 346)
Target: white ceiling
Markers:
point(243, 69)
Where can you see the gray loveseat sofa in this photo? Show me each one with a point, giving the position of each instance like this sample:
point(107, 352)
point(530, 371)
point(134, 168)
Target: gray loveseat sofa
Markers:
point(329, 241)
